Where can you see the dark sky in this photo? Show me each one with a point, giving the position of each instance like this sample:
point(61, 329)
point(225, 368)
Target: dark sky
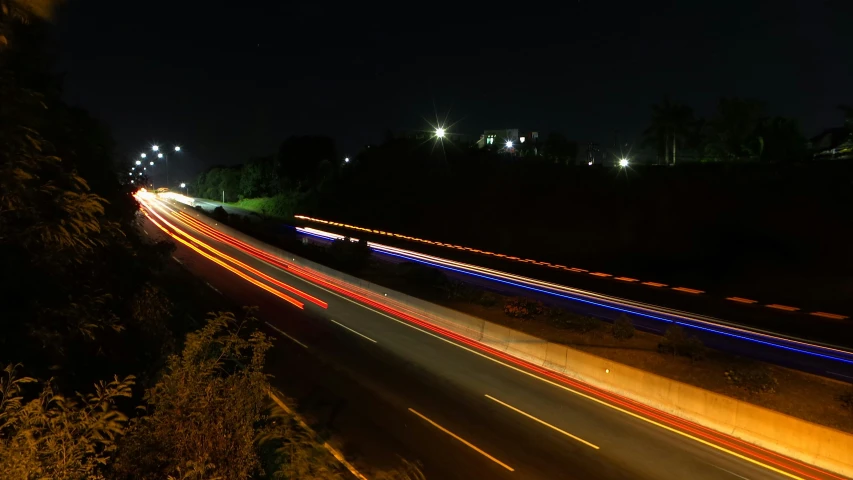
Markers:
point(229, 80)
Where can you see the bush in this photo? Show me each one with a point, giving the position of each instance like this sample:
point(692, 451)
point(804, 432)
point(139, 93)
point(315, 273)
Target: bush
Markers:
point(677, 342)
point(753, 378)
point(349, 256)
point(846, 399)
point(523, 308)
point(578, 323)
point(487, 299)
point(623, 328)
point(220, 214)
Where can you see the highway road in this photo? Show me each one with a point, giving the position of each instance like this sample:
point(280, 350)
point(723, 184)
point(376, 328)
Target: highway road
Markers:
point(387, 387)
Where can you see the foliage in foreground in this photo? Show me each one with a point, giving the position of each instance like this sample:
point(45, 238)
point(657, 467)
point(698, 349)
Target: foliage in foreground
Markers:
point(55, 437)
point(519, 307)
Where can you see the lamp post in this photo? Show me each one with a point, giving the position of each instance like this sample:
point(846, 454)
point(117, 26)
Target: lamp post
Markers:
point(186, 190)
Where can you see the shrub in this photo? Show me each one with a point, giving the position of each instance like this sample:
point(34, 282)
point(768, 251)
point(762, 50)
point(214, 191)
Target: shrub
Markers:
point(487, 299)
point(523, 308)
point(349, 256)
point(846, 399)
point(578, 323)
point(623, 328)
point(219, 213)
point(753, 378)
point(677, 342)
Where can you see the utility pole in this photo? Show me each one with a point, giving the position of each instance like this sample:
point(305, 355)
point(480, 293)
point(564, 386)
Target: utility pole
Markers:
point(223, 196)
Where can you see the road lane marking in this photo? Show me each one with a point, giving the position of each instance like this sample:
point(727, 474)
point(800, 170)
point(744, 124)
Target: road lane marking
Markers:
point(214, 288)
point(334, 451)
point(655, 284)
point(353, 331)
point(689, 290)
point(833, 316)
point(466, 442)
point(731, 473)
point(782, 307)
point(286, 335)
point(543, 422)
point(555, 384)
point(176, 259)
point(742, 300)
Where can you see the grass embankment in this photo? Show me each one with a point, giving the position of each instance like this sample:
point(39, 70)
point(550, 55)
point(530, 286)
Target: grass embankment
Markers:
point(279, 207)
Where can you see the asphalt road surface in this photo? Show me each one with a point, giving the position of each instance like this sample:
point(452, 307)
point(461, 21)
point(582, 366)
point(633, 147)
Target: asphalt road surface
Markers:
point(386, 388)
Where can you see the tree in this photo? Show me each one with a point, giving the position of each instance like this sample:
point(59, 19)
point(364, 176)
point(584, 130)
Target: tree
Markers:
point(559, 149)
point(732, 132)
point(300, 158)
point(22, 11)
point(782, 139)
point(670, 126)
point(848, 116)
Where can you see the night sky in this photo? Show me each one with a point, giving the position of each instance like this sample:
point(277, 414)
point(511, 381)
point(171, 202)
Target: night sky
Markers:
point(231, 80)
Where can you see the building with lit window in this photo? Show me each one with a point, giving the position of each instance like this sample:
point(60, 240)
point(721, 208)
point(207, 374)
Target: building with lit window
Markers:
point(499, 138)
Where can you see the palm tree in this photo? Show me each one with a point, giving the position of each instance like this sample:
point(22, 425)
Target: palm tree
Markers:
point(733, 131)
point(670, 125)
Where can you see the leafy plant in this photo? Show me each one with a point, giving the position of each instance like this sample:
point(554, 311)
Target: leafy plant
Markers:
point(52, 436)
point(523, 308)
point(677, 342)
point(623, 328)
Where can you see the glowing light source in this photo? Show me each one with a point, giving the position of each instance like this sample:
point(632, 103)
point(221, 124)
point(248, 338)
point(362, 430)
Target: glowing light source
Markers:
point(623, 162)
point(183, 185)
point(521, 139)
point(590, 163)
point(346, 159)
point(155, 147)
point(139, 162)
point(177, 148)
point(159, 155)
point(130, 173)
point(439, 132)
point(151, 163)
point(509, 144)
point(144, 155)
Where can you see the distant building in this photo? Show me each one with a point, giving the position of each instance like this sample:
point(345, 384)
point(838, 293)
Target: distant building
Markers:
point(499, 138)
point(460, 139)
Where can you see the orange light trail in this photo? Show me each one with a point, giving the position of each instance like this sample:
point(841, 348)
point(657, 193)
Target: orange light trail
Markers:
point(717, 438)
point(258, 273)
point(233, 270)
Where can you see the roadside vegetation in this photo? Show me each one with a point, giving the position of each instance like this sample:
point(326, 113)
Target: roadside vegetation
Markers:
point(109, 368)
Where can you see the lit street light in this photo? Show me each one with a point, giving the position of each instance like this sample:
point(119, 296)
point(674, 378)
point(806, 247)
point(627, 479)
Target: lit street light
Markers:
point(155, 147)
point(177, 148)
point(130, 173)
point(439, 132)
point(623, 162)
point(144, 155)
point(139, 162)
point(509, 144)
point(186, 191)
point(152, 164)
point(346, 159)
point(159, 155)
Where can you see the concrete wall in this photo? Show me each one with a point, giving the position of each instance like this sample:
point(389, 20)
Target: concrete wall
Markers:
point(811, 443)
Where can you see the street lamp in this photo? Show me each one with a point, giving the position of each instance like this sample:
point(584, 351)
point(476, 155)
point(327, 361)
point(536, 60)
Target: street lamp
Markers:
point(623, 162)
point(177, 148)
point(346, 159)
point(139, 162)
point(439, 132)
point(151, 163)
point(155, 147)
point(186, 191)
point(144, 155)
point(509, 144)
point(159, 155)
